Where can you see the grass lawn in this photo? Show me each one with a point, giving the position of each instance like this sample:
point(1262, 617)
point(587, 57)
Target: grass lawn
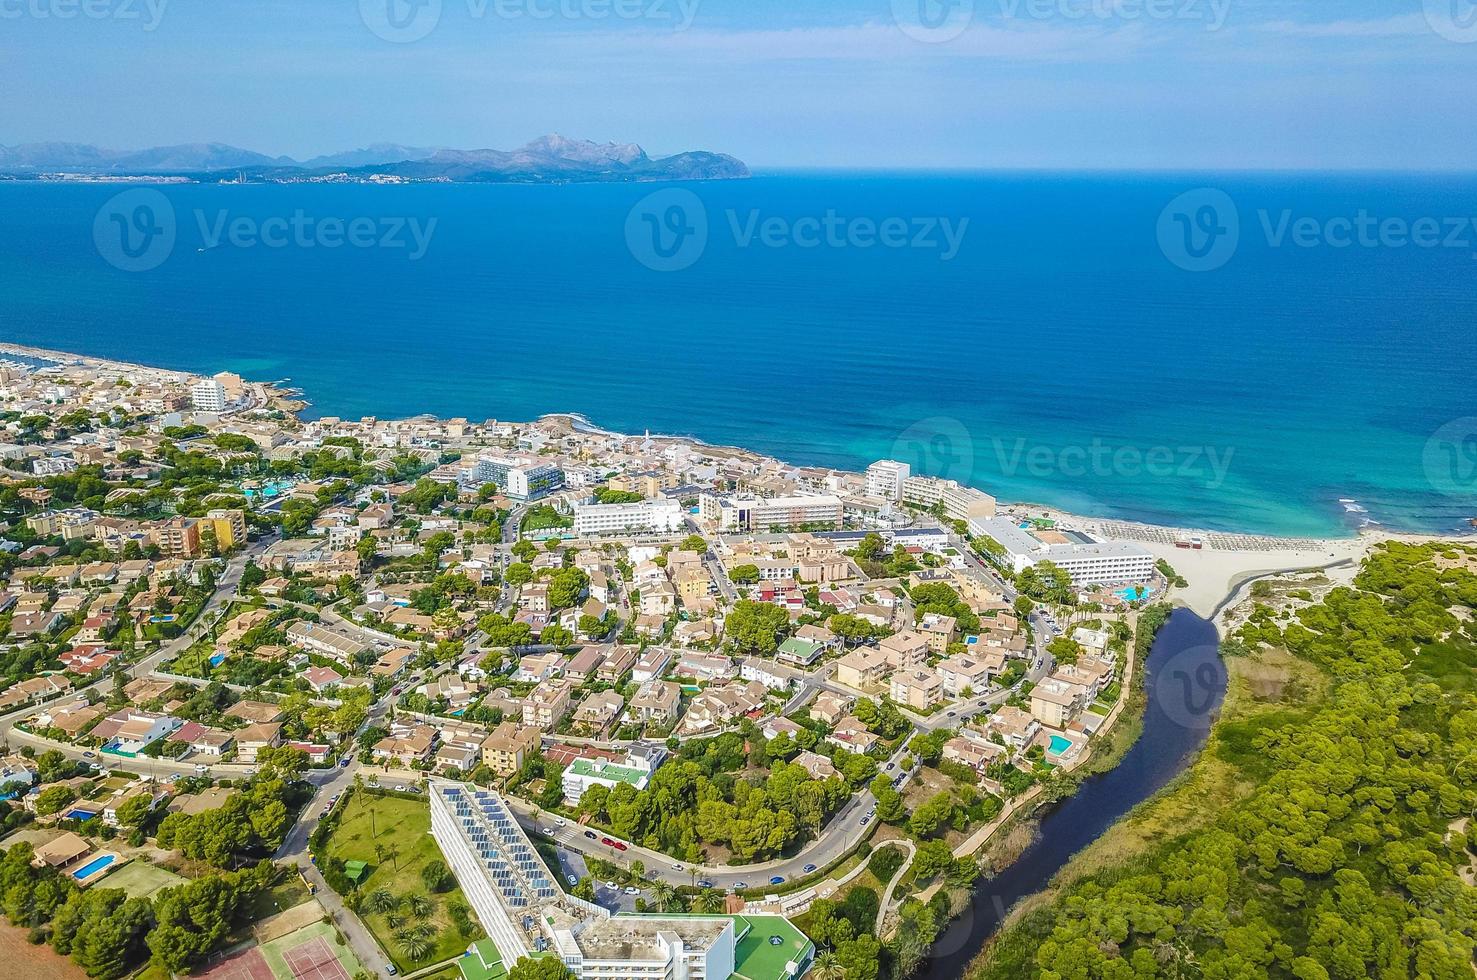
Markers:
point(401, 829)
point(288, 895)
point(142, 880)
point(759, 959)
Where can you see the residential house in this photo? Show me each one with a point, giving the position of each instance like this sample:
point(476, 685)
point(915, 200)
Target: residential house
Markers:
point(547, 704)
point(656, 701)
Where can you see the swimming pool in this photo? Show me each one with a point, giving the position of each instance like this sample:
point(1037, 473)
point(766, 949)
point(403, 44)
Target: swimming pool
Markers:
point(81, 814)
point(1059, 745)
point(1132, 593)
point(94, 866)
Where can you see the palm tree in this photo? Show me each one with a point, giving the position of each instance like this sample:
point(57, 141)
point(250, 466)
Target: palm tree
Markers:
point(419, 905)
point(380, 900)
point(662, 895)
point(394, 920)
point(826, 967)
point(710, 901)
point(412, 944)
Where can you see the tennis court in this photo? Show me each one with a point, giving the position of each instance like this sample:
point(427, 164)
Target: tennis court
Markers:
point(248, 965)
point(314, 960)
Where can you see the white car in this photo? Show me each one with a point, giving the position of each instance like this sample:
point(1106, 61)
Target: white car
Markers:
point(558, 821)
point(632, 890)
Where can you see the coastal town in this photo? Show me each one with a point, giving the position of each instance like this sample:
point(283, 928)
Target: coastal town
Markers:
point(324, 697)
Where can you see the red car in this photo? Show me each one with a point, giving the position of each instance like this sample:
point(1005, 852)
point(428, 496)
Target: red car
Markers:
point(618, 845)
point(607, 842)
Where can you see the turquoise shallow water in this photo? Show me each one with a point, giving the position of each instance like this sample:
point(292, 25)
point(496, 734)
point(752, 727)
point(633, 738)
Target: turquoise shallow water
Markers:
point(1059, 356)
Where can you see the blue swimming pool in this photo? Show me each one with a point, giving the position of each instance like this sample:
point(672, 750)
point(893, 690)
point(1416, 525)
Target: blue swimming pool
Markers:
point(81, 814)
point(94, 866)
point(1059, 744)
point(1132, 593)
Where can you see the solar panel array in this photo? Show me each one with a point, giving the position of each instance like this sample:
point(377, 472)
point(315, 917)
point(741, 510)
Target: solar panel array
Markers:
point(514, 867)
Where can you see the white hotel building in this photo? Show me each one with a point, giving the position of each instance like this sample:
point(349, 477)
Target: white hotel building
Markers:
point(885, 479)
point(762, 515)
point(524, 911)
point(642, 517)
point(1088, 561)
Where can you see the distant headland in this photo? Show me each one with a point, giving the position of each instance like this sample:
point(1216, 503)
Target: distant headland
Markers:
point(549, 159)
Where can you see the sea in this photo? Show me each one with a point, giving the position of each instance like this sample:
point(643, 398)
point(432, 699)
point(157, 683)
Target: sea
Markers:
point(1280, 353)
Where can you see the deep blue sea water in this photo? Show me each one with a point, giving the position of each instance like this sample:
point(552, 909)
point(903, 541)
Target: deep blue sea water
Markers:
point(1055, 357)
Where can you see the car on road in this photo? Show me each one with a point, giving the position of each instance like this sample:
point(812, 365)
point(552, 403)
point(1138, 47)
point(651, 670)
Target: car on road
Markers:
point(607, 842)
point(705, 883)
point(891, 766)
point(740, 885)
point(777, 880)
point(678, 867)
point(344, 762)
point(590, 834)
point(390, 969)
point(89, 755)
point(546, 831)
point(558, 821)
point(572, 879)
point(201, 767)
point(632, 890)
point(866, 820)
point(808, 868)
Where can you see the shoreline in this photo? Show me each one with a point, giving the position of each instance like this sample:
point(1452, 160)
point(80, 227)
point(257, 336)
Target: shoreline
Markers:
point(1216, 573)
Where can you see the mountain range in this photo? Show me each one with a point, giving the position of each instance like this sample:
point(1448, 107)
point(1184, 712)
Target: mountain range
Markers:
point(551, 158)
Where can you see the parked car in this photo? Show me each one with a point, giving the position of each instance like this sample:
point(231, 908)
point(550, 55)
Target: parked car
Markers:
point(390, 969)
point(678, 867)
point(808, 868)
point(572, 879)
point(619, 846)
point(607, 842)
point(740, 885)
point(344, 762)
point(89, 755)
point(590, 834)
point(866, 820)
point(705, 883)
point(201, 767)
point(632, 890)
point(777, 880)
point(558, 821)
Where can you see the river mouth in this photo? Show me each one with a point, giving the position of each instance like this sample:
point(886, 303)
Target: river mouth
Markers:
point(1185, 683)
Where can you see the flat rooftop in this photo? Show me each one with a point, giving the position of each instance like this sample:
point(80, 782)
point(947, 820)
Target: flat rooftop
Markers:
point(635, 937)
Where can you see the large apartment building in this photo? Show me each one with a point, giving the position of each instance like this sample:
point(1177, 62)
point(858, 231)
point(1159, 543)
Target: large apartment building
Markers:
point(960, 503)
point(885, 479)
point(1088, 561)
point(643, 517)
point(518, 478)
point(765, 514)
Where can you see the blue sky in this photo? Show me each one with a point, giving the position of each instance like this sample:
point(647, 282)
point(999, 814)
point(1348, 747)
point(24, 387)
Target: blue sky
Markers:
point(1160, 84)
